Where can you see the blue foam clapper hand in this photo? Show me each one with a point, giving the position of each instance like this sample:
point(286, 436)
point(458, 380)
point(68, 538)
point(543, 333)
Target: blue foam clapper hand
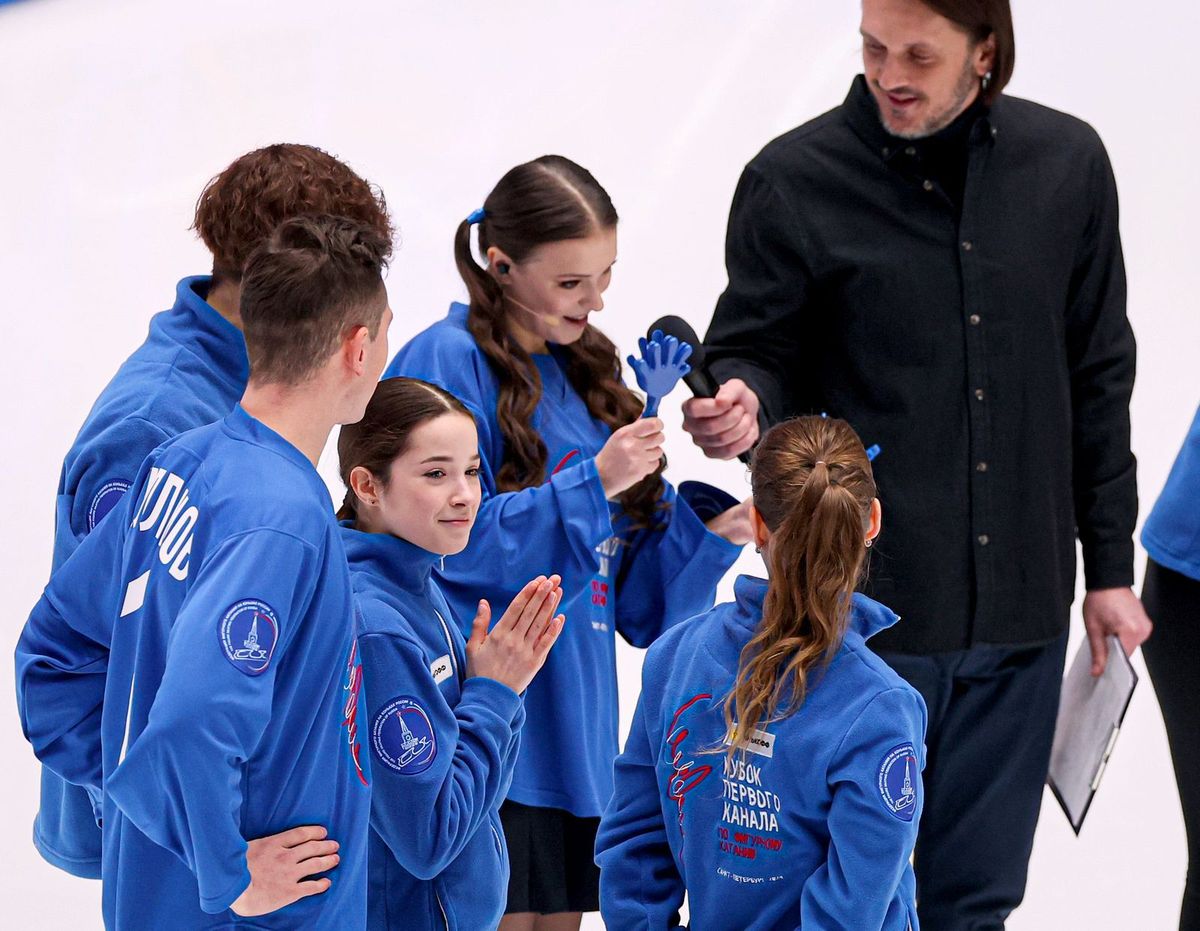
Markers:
point(663, 362)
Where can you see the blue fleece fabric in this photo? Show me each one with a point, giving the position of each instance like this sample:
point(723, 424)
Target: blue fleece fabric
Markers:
point(442, 749)
point(1171, 533)
point(190, 371)
point(190, 663)
point(614, 579)
point(811, 828)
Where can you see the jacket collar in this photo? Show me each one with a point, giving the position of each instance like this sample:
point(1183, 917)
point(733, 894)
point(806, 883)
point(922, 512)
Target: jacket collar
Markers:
point(867, 617)
point(403, 565)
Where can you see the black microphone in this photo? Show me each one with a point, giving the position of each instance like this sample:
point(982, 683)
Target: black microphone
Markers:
point(699, 379)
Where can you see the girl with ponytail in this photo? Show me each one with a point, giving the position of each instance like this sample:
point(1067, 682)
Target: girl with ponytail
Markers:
point(773, 769)
point(572, 483)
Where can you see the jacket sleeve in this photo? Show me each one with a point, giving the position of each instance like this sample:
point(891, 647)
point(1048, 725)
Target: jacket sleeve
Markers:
point(180, 779)
point(640, 885)
point(875, 782)
point(753, 334)
point(1102, 354)
point(518, 535)
point(428, 801)
point(62, 656)
point(95, 479)
point(568, 516)
point(670, 574)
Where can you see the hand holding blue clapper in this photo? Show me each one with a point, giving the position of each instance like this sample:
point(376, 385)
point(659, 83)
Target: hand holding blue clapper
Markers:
point(663, 363)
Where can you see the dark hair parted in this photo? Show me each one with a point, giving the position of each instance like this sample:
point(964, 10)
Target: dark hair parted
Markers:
point(243, 205)
point(980, 19)
point(549, 199)
point(813, 486)
point(314, 279)
point(396, 409)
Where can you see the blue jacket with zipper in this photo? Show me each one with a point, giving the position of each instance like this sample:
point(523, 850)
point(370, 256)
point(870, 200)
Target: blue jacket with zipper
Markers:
point(443, 747)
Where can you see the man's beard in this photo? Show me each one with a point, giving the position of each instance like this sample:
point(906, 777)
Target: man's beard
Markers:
point(968, 81)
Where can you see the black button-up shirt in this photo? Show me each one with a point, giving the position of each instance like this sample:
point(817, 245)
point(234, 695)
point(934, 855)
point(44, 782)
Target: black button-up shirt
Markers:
point(986, 349)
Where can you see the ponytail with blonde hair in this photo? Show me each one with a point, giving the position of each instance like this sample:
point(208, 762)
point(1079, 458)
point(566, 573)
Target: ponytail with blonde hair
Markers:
point(813, 486)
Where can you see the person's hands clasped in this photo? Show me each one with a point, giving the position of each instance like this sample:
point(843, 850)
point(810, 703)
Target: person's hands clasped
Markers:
point(515, 649)
point(726, 425)
point(631, 453)
point(278, 864)
point(1117, 612)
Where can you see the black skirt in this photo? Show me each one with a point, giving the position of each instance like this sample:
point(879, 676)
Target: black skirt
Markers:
point(551, 853)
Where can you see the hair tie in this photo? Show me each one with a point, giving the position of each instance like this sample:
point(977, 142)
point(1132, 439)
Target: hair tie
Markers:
point(821, 462)
point(476, 216)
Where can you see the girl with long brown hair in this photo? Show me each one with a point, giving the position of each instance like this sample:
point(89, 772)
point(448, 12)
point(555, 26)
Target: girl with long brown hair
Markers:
point(442, 715)
point(571, 480)
point(773, 769)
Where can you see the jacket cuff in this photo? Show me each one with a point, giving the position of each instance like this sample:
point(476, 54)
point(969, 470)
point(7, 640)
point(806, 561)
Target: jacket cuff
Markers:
point(1108, 566)
point(687, 541)
point(495, 696)
point(579, 492)
point(707, 501)
point(215, 904)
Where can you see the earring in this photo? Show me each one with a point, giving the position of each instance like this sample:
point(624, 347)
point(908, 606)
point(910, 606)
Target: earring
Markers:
point(869, 543)
point(758, 549)
point(987, 79)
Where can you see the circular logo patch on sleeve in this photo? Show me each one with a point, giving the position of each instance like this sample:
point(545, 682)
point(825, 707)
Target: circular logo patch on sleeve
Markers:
point(104, 501)
point(900, 781)
point(403, 737)
point(248, 633)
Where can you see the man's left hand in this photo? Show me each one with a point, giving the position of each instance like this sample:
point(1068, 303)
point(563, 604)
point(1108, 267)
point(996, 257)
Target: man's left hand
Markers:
point(1116, 612)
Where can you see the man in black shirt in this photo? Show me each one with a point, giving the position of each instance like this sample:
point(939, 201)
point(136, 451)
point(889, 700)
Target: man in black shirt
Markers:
point(940, 264)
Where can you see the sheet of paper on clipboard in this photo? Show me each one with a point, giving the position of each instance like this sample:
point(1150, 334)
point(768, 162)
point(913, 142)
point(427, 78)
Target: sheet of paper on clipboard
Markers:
point(1089, 718)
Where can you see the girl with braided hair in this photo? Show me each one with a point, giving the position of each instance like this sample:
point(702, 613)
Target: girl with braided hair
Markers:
point(571, 478)
point(773, 769)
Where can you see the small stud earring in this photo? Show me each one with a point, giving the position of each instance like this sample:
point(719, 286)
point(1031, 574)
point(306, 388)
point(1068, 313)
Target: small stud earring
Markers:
point(869, 543)
point(758, 549)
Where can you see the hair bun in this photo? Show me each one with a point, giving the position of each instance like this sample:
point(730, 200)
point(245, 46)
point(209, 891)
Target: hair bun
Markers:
point(302, 233)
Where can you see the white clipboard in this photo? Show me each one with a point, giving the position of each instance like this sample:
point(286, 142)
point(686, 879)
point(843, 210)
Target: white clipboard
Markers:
point(1090, 713)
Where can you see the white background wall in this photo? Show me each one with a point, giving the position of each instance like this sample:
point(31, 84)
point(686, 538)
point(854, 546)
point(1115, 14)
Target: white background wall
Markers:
point(115, 114)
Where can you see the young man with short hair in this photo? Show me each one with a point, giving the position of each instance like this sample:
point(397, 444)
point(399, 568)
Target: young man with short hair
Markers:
point(193, 662)
point(190, 371)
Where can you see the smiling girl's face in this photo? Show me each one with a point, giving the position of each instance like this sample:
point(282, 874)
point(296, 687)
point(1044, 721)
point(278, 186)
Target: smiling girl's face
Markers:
point(551, 294)
point(432, 489)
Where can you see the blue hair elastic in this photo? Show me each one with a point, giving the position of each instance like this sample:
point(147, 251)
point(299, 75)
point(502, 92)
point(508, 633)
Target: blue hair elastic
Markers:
point(476, 216)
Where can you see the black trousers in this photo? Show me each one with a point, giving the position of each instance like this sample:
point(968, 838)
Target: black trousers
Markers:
point(1173, 658)
point(991, 725)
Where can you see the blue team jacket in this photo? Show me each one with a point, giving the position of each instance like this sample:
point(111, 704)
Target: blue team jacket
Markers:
point(613, 579)
point(811, 828)
point(195, 660)
point(1171, 533)
point(190, 371)
point(442, 747)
